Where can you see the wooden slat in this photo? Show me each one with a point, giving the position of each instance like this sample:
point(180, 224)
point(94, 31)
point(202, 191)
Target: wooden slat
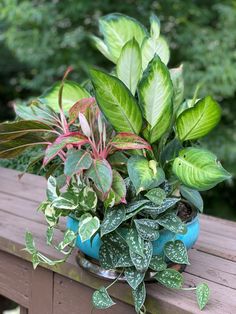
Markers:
point(217, 245)
point(41, 300)
point(20, 207)
point(69, 293)
point(212, 268)
point(218, 226)
point(15, 283)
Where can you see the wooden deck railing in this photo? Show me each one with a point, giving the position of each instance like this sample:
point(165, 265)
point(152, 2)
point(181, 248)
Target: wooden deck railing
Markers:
point(67, 288)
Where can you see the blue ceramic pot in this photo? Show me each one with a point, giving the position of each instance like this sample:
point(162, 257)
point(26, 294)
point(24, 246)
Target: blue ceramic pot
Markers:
point(92, 250)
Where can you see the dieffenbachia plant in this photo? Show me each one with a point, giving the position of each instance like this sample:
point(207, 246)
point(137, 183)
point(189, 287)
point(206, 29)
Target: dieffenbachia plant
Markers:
point(124, 160)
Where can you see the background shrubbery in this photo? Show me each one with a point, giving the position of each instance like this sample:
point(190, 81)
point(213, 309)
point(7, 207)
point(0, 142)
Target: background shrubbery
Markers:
point(39, 39)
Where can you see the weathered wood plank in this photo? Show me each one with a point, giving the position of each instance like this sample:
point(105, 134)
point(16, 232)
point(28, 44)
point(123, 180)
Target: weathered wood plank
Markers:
point(212, 268)
point(217, 245)
point(20, 207)
point(222, 300)
point(15, 283)
point(71, 297)
point(41, 299)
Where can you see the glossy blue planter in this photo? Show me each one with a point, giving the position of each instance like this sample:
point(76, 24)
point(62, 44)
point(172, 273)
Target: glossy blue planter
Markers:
point(92, 250)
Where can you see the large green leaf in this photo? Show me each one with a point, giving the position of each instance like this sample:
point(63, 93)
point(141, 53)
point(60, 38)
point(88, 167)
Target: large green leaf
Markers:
point(72, 92)
point(162, 125)
point(116, 102)
point(101, 174)
point(102, 47)
point(39, 112)
point(177, 78)
point(12, 130)
point(155, 91)
point(129, 65)
point(118, 187)
point(199, 120)
point(76, 161)
point(142, 175)
point(14, 147)
point(199, 169)
point(117, 29)
point(154, 46)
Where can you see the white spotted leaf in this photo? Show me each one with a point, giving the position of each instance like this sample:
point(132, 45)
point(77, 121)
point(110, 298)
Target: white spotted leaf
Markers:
point(170, 278)
point(101, 299)
point(176, 252)
point(202, 293)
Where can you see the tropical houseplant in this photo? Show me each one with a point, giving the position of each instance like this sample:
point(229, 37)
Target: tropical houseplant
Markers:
point(126, 167)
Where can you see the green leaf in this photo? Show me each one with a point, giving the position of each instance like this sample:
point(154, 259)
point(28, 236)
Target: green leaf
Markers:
point(139, 296)
point(39, 112)
point(156, 195)
point(142, 175)
point(69, 238)
point(81, 106)
point(199, 169)
point(176, 75)
point(49, 235)
point(133, 206)
point(173, 223)
point(88, 226)
point(29, 242)
point(101, 299)
point(155, 26)
point(118, 29)
point(14, 147)
point(133, 277)
point(141, 263)
point(101, 174)
point(76, 161)
point(147, 229)
point(118, 187)
point(64, 203)
point(102, 47)
point(193, 196)
point(154, 210)
point(170, 151)
point(129, 65)
point(134, 241)
point(114, 252)
point(157, 263)
point(72, 92)
point(113, 218)
point(170, 278)
point(52, 189)
point(13, 130)
point(176, 252)
point(88, 198)
point(203, 294)
point(116, 102)
point(110, 199)
point(155, 91)
point(196, 122)
point(152, 47)
point(162, 125)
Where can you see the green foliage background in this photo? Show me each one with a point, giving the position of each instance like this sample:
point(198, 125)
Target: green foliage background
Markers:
point(39, 39)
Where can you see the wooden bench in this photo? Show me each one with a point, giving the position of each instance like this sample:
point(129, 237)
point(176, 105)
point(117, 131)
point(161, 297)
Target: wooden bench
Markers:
point(67, 288)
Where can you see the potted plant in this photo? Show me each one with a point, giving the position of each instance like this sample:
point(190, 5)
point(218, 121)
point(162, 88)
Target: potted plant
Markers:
point(125, 164)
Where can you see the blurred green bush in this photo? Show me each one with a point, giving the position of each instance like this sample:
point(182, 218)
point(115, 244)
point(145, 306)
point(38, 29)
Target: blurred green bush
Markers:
point(40, 38)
